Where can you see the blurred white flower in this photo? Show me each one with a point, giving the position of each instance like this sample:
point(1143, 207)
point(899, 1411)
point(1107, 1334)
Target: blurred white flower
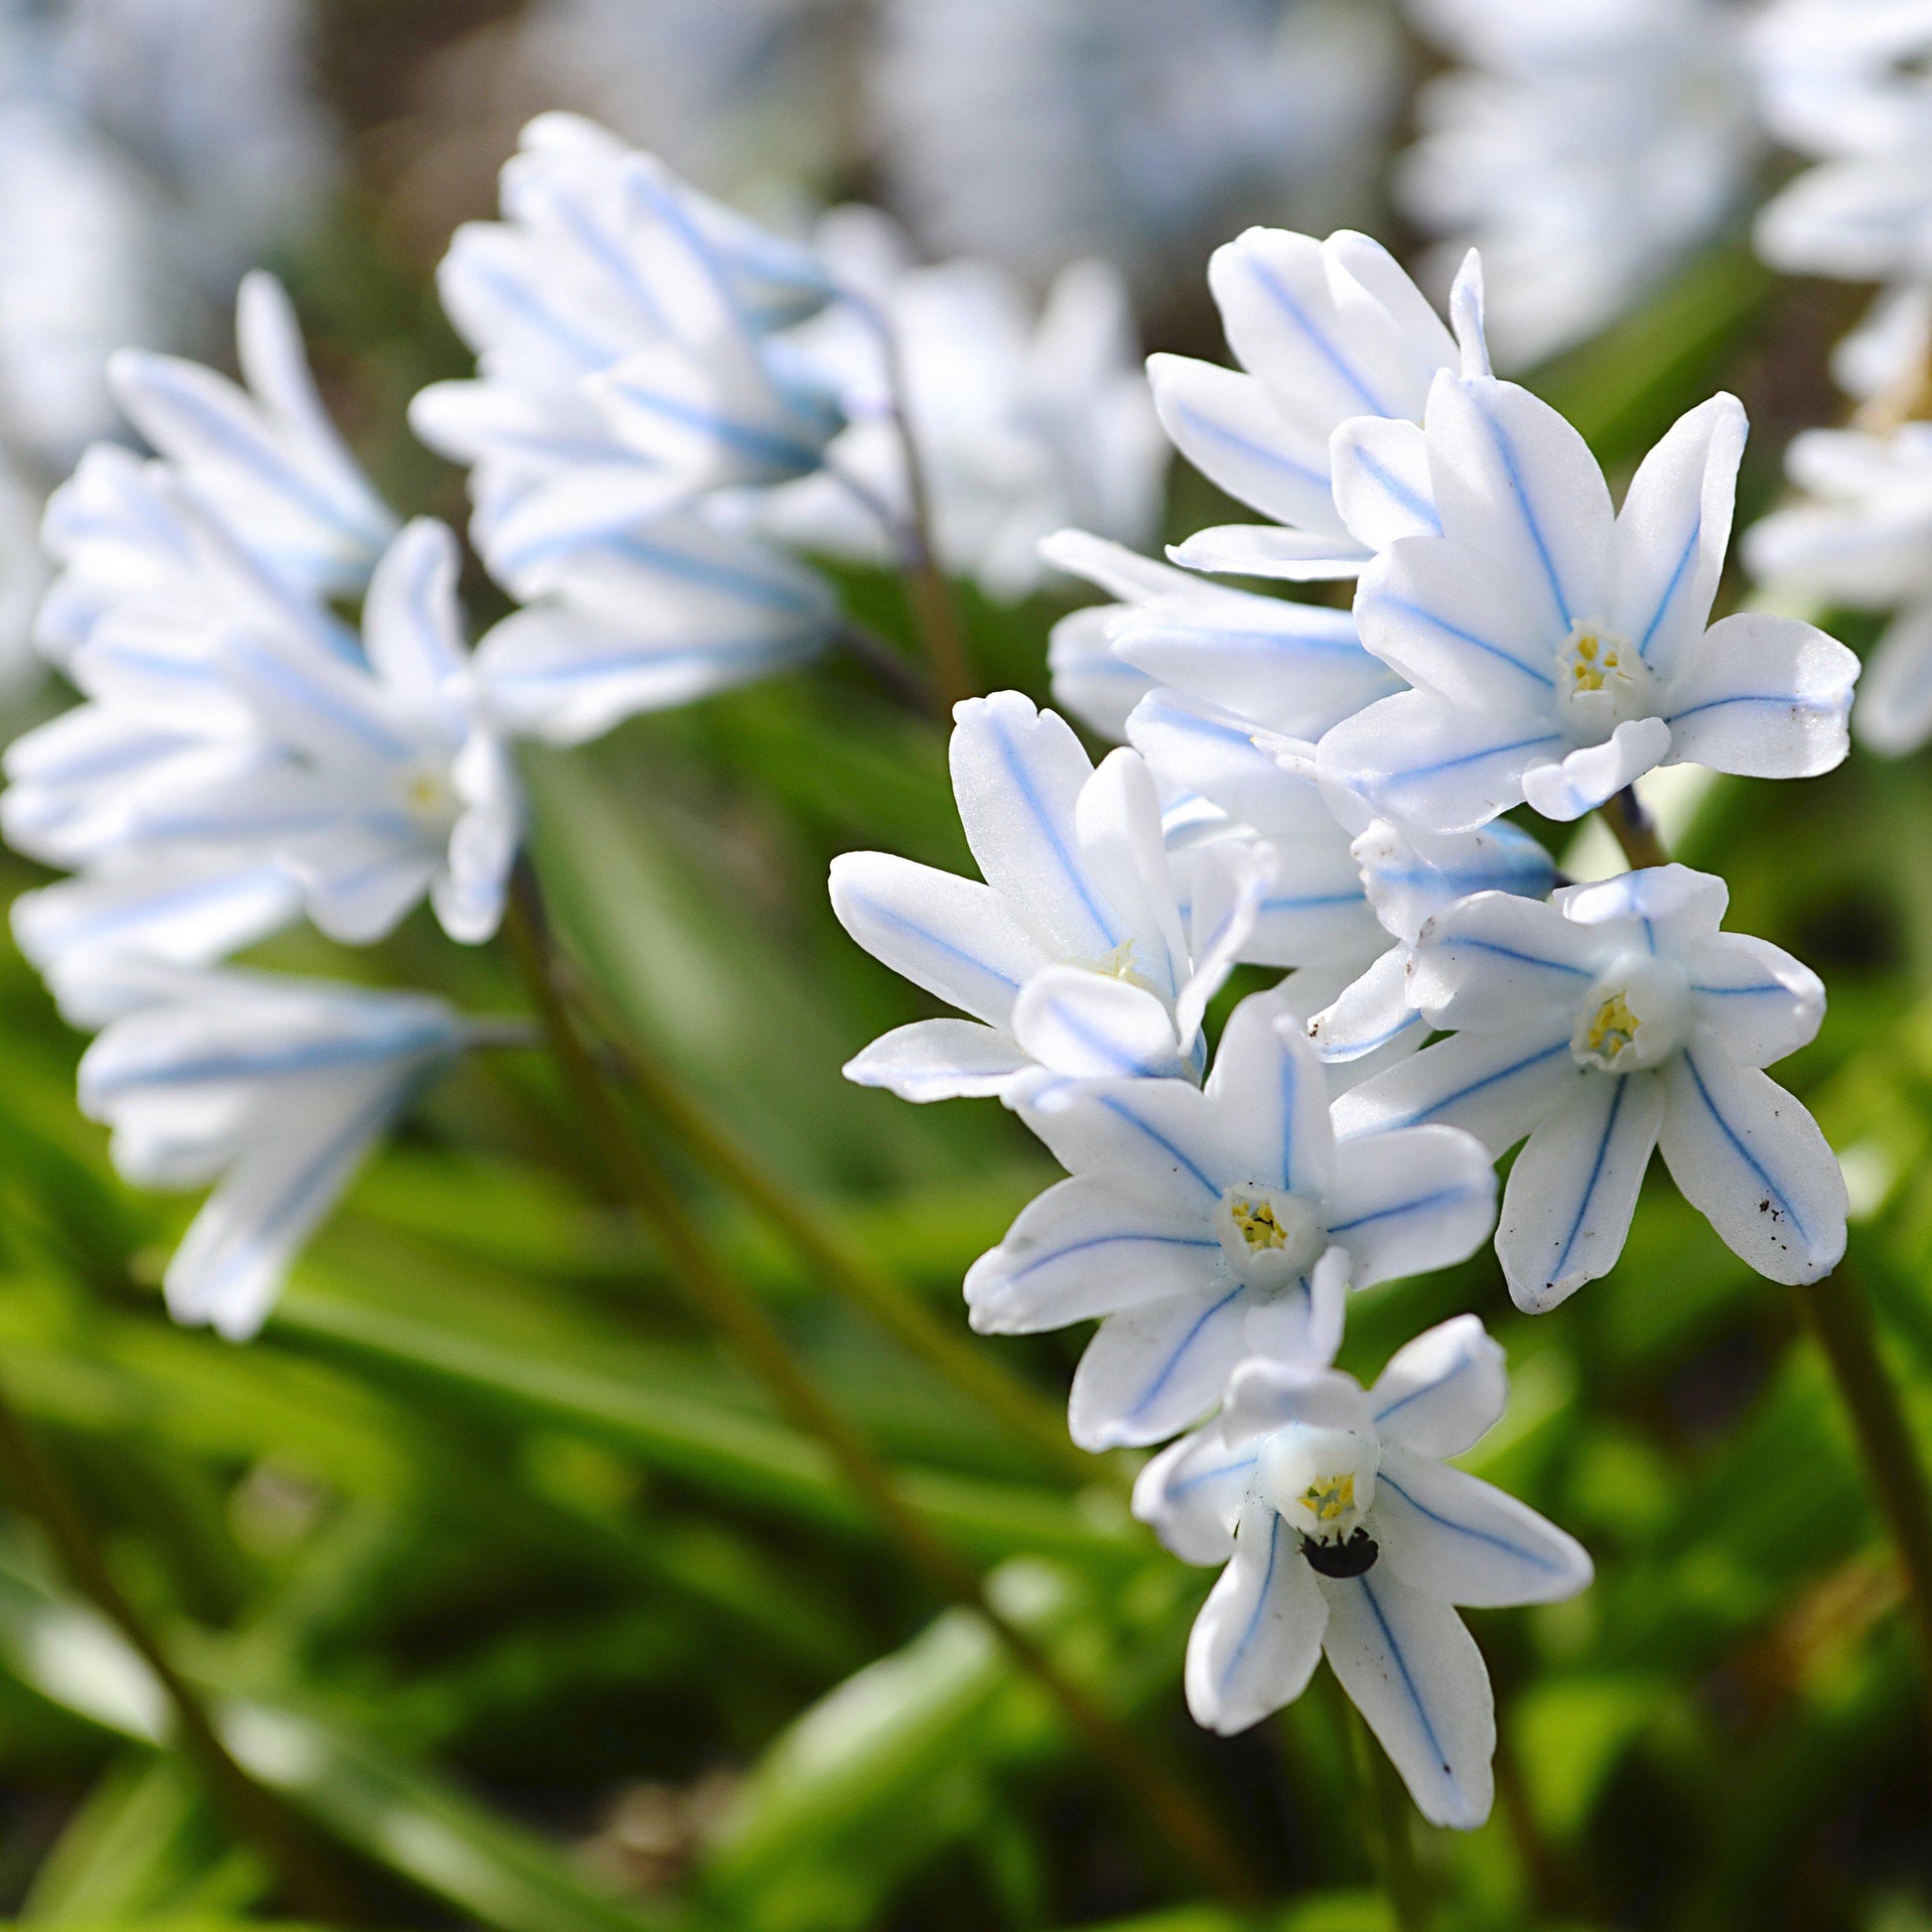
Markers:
point(622, 328)
point(1023, 423)
point(1585, 149)
point(1559, 652)
point(1072, 954)
point(273, 1089)
point(1205, 1226)
point(1346, 1533)
point(1612, 1020)
point(1036, 132)
point(1861, 535)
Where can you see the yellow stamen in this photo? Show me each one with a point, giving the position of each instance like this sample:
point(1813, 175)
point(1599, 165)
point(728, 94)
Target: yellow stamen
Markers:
point(1256, 1220)
point(1612, 1028)
point(1330, 1497)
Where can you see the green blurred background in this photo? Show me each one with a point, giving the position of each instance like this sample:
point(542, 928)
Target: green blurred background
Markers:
point(515, 1588)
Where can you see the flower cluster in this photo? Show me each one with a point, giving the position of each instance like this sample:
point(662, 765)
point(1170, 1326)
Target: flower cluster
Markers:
point(281, 718)
point(1320, 790)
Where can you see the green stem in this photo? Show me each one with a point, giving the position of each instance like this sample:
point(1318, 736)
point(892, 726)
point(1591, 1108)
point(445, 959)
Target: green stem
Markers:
point(254, 1811)
point(1395, 1839)
point(1837, 1313)
point(717, 1296)
point(841, 1264)
point(1633, 830)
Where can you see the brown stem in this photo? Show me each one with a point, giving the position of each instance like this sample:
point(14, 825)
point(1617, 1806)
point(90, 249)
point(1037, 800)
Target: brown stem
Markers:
point(254, 1811)
point(1837, 1313)
point(718, 1298)
point(1634, 830)
point(845, 1268)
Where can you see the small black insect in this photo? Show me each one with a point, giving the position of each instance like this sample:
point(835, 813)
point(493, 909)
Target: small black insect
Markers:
point(1354, 1558)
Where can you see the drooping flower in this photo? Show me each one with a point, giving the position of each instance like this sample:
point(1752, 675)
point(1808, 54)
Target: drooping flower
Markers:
point(1346, 1533)
point(1325, 333)
point(624, 331)
point(1206, 1226)
point(1611, 1021)
point(1072, 954)
point(1585, 149)
point(1559, 650)
point(1034, 132)
point(273, 1089)
point(1862, 536)
point(1022, 422)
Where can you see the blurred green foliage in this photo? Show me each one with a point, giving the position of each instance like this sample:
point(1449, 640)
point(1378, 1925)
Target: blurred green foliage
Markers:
point(510, 1582)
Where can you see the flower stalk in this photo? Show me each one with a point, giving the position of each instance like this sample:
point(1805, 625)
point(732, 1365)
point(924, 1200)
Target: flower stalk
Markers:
point(1838, 1311)
point(844, 1267)
point(253, 1810)
point(719, 1299)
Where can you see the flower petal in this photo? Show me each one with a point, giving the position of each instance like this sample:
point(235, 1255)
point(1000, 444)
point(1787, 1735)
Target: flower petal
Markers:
point(1751, 1160)
point(1415, 1673)
point(1151, 1371)
point(1191, 1494)
point(939, 1059)
point(1259, 1635)
point(1583, 780)
point(1443, 1392)
point(1453, 624)
point(1496, 1086)
point(1420, 760)
point(1018, 775)
point(1753, 1001)
point(1764, 697)
point(1235, 433)
point(1407, 1201)
point(1573, 1188)
point(1495, 962)
point(1380, 466)
point(1088, 1026)
point(1259, 550)
point(1672, 532)
point(1162, 1138)
point(1518, 485)
point(1453, 1535)
point(1371, 1013)
point(1272, 1097)
point(1087, 1247)
point(951, 935)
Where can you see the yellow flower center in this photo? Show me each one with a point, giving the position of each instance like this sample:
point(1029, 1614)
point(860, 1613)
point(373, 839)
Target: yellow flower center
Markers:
point(1329, 1497)
point(1612, 1028)
point(1257, 1222)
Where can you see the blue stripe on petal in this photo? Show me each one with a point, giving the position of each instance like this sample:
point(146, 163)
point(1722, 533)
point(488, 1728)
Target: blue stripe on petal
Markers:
point(1261, 1603)
point(1426, 615)
point(1407, 1676)
point(1184, 1161)
point(1069, 867)
point(1436, 1198)
point(1247, 446)
point(1589, 1185)
point(1152, 1392)
point(1285, 299)
point(1671, 588)
point(899, 922)
point(1512, 471)
point(1535, 1557)
point(1742, 1152)
point(1109, 1241)
point(1436, 1107)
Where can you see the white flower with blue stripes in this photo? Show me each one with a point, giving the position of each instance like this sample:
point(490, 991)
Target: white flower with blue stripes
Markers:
point(1347, 1533)
point(1206, 1226)
point(642, 620)
point(273, 1089)
point(624, 327)
point(1611, 1021)
point(266, 460)
point(1073, 955)
point(1559, 650)
point(1327, 333)
point(1409, 877)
